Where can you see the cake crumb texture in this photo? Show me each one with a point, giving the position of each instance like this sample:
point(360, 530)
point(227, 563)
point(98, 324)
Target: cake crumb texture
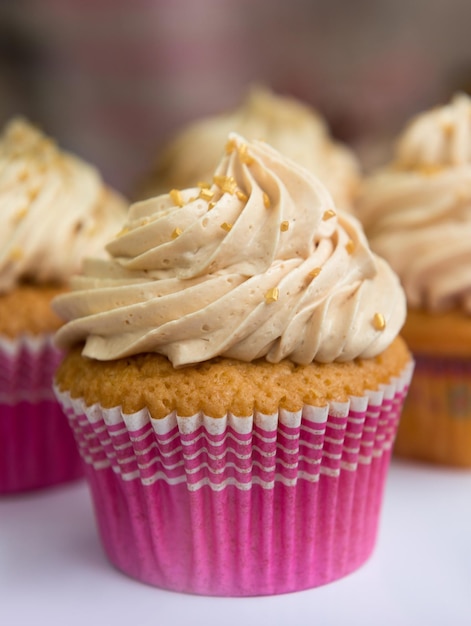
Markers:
point(223, 385)
point(27, 310)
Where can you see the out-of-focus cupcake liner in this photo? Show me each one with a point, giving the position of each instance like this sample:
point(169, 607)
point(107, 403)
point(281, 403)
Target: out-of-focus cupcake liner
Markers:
point(436, 421)
point(37, 447)
point(234, 506)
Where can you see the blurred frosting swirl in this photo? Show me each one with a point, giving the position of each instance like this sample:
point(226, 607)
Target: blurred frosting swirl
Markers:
point(290, 126)
point(255, 263)
point(55, 209)
point(417, 211)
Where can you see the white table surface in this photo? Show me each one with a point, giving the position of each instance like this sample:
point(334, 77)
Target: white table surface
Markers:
point(53, 570)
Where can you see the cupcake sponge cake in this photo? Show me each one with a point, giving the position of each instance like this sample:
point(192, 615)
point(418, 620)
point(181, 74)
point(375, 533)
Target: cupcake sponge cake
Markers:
point(417, 214)
point(55, 209)
point(234, 380)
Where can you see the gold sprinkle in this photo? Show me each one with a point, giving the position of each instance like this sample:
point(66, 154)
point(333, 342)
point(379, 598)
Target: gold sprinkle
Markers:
point(430, 169)
point(266, 200)
point(230, 146)
point(226, 183)
point(284, 226)
point(272, 295)
point(241, 195)
point(206, 194)
point(203, 185)
point(176, 233)
point(226, 226)
point(33, 193)
point(211, 205)
point(315, 272)
point(379, 322)
point(329, 214)
point(448, 128)
point(244, 156)
point(19, 215)
point(16, 254)
point(350, 246)
point(176, 197)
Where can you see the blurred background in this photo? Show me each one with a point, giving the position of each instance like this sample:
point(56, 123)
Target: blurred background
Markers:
point(111, 80)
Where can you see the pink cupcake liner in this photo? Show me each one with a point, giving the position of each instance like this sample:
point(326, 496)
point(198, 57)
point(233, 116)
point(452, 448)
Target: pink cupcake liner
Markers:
point(37, 447)
point(232, 506)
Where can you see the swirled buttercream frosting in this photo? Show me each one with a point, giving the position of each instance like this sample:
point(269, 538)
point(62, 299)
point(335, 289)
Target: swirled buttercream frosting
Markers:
point(254, 263)
point(55, 209)
point(417, 210)
point(292, 127)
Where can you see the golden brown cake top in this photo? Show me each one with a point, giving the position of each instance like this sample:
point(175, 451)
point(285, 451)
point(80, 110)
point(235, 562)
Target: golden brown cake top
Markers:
point(223, 385)
point(27, 310)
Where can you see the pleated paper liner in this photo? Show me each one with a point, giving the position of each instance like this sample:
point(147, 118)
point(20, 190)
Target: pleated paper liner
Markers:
point(37, 447)
point(436, 422)
point(240, 506)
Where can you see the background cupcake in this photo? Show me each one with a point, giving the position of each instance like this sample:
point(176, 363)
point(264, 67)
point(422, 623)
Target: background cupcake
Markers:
point(417, 215)
point(54, 210)
point(234, 382)
point(292, 127)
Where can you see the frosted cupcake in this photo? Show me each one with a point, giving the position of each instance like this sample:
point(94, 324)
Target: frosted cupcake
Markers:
point(54, 209)
point(234, 381)
point(417, 215)
point(290, 126)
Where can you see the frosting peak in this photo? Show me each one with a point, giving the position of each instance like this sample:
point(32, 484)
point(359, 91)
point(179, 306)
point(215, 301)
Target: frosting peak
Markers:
point(55, 209)
point(290, 126)
point(438, 138)
point(417, 210)
point(254, 263)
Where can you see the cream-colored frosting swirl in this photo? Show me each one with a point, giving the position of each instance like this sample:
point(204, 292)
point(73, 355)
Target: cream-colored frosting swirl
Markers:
point(417, 211)
point(55, 209)
point(292, 127)
point(258, 264)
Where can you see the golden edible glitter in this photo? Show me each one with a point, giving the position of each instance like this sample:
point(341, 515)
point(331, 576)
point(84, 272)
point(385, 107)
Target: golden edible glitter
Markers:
point(21, 214)
point(329, 214)
point(350, 246)
point(242, 196)
point(284, 226)
point(230, 146)
point(176, 197)
point(203, 185)
point(379, 322)
point(176, 233)
point(206, 194)
point(244, 156)
point(315, 272)
point(266, 200)
point(226, 226)
point(226, 183)
point(448, 128)
point(272, 295)
point(16, 254)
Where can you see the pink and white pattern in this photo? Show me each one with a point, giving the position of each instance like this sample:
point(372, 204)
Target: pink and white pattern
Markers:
point(37, 447)
point(251, 505)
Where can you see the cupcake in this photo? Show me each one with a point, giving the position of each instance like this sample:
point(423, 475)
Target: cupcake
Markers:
point(55, 209)
point(290, 126)
point(234, 381)
point(417, 215)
